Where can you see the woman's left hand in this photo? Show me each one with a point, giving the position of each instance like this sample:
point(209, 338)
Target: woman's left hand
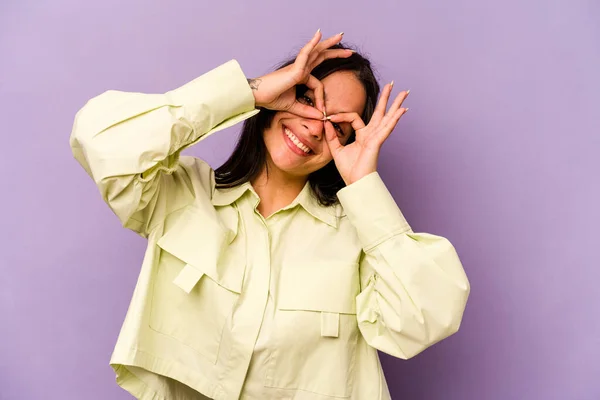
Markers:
point(359, 158)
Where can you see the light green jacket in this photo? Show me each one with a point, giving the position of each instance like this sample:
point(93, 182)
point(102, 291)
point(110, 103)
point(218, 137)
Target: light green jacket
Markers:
point(233, 305)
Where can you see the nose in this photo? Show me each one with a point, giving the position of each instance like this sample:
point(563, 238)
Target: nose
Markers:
point(314, 128)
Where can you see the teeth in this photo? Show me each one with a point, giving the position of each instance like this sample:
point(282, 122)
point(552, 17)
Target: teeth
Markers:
point(295, 140)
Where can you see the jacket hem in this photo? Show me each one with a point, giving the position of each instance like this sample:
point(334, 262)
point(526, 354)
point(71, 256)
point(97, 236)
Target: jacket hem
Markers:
point(131, 383)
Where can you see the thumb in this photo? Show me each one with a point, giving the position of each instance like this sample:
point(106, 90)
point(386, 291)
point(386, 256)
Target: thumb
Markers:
point(332, 139)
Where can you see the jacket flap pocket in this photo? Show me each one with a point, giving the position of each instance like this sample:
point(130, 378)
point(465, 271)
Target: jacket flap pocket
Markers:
point(327, 287)
point(199, 238)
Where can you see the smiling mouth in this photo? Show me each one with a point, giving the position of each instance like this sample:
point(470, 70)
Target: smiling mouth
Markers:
point(294, 141)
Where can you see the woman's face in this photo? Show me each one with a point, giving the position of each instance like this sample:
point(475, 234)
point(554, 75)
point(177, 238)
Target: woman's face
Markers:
point(295, 145)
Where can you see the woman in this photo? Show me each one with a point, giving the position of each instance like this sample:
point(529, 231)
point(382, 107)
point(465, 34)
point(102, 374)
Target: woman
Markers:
point(280, 274)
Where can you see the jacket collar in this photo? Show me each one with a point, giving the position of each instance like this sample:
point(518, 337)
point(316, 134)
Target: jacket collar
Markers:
point(306, 199)
point(227, 196)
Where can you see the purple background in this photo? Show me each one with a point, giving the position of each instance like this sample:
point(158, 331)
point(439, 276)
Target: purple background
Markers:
point(499, 153)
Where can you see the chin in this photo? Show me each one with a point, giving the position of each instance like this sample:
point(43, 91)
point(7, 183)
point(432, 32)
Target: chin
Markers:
point(293, 169)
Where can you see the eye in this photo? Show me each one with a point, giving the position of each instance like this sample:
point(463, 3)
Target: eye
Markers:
point(306, 100)
point(338, 128)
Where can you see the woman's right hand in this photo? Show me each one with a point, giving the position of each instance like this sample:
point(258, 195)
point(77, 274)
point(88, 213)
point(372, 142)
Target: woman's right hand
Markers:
point(277, 90)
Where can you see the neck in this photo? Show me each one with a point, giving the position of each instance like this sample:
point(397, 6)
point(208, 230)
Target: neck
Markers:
point(276, 190)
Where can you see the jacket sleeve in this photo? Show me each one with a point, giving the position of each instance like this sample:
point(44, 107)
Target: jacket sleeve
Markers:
point(413, 287)
point(129, 143)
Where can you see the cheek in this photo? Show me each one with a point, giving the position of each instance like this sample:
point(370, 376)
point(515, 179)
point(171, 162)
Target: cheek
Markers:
point(324, 158)
point(270, 134)
point(326, 154)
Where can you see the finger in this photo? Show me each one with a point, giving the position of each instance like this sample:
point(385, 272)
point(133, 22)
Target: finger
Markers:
point(398, 101)
point(395, 105)
point(331, 137)
point(304, 54)
point(382, 103)
point(353, 118)
point(390, 123)
point(327, 43)
point(306, 111)
point(317, 87)
point(317, 58)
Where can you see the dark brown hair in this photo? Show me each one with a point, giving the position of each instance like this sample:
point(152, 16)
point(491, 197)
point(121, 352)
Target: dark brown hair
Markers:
point(249, 155)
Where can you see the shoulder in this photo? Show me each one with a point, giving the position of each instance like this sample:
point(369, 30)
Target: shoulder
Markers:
point(192, 183)
point(199, 172)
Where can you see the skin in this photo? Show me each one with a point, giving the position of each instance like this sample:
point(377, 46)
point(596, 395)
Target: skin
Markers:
point(323, 120)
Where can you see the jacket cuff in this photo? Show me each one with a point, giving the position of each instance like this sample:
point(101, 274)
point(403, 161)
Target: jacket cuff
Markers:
point(218, 95)
point(372, 210)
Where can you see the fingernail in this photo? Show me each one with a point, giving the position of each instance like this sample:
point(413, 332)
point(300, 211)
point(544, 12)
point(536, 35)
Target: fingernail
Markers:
point(351, 51)
point(328, 118)
point(318, 30)
point(341, 33)
point(392, 83)
point(406, 110)
point(408, 92)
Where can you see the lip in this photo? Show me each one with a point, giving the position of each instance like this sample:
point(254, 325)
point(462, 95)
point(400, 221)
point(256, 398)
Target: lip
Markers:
point(291, 144)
